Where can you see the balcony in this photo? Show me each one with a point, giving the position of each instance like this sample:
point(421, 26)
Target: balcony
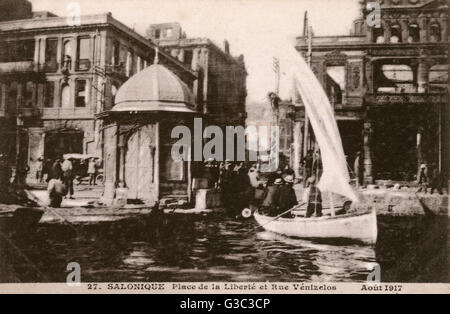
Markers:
point(17, 67)
point(116, 70)
point(67, 113)
point(386, 99)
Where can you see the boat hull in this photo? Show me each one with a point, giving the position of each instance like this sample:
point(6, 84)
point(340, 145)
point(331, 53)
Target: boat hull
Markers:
point(358, 227)
point(20, 222)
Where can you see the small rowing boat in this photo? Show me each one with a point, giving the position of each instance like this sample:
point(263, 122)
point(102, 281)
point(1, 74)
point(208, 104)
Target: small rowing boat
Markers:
point(334, 179)
point(359, 227)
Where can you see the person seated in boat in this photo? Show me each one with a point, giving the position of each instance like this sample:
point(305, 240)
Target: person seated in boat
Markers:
point(287, 198)
point(259, 196)
point(270, 204)
point(56, 191)
point(314, 199)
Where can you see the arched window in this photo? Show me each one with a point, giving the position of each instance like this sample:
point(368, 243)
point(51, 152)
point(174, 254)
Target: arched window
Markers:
point(378, 35)
point(435, 33)
point(438, 77)
point(396, 34)
point(414, 33)
point(394, 78)
point(65, 96)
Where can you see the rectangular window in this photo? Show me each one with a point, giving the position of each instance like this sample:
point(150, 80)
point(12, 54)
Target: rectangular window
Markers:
point(12, 97)
point(84, 50)
point(51, 61)
point(116, 53)
point(188, 55)
point(26, 50)
point(49, 94)
point(80, 94)
point(29, 92)
point(336, 84)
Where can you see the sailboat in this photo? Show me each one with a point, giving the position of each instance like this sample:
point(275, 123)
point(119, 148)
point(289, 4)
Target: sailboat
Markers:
point(355, 225)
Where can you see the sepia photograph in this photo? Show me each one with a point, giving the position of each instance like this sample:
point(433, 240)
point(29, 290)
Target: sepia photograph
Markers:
point(224, 146)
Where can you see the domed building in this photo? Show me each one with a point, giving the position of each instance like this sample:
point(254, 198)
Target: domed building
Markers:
point(138, 141)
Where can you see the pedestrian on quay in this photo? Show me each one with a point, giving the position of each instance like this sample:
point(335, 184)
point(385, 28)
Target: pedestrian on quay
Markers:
point(287, 198)
point(55, 170)
point(244, 189)
point(436, 181)
point(253, 175)
point(422, 180)
point(92, 171)
point(314, 199)
point(56, 191)
point(67, 169)
point(227, 180)
point(270, 204)
point(40, 169)
point(357, 169)
point(211, 173)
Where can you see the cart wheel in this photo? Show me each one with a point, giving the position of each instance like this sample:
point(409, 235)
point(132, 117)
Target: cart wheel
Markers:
point(99, 178)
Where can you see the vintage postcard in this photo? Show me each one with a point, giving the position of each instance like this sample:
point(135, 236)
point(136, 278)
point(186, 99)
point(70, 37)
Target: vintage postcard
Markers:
point(224, 147)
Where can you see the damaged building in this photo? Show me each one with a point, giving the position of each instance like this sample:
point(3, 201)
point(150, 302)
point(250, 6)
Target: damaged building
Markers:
point(389, 88)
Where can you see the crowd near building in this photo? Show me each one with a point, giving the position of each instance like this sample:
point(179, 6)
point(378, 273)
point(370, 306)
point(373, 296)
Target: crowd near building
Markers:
point(60, 84)
point(389, 89)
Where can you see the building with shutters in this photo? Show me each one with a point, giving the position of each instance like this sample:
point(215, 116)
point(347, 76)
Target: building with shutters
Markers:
point(54, 79)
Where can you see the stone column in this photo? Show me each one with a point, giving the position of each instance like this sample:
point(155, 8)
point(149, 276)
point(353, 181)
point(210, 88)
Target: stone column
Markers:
point(423, 25)
point(122, 155)
point(443, 22)
point(367, 134)
point(110, 163)
point(405, 30)
point(181, 55)
point(422, 76)
point(37, 45)
point(204, 60)
point(387, 32)
point(36, 139)
point(195, 59)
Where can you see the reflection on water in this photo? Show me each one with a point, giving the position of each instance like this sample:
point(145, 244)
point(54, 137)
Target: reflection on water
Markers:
point(216, 248)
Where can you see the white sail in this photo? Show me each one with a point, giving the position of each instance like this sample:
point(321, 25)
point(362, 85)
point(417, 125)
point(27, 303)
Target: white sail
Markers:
point(335, 177)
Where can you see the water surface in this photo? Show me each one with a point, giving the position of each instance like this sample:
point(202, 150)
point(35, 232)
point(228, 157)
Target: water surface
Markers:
point(218, 248)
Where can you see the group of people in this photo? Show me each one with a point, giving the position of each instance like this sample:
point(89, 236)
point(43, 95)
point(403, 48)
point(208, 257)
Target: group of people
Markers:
point(60, 177)
point(430, 179)
point(273, 194)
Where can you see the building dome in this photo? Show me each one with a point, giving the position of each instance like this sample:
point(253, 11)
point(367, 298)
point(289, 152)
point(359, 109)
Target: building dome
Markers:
point(154, 89)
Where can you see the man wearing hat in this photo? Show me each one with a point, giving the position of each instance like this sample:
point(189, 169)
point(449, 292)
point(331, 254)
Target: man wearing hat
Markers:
point(270, 204)
point(314, 199)
point(227, 181)
point(211, 172)
point(287, 197)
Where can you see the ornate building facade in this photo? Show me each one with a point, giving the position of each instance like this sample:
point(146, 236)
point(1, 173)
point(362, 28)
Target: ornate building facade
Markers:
point(389, 88)
point(54, 79)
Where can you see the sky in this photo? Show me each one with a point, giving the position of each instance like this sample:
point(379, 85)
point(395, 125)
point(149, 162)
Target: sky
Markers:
point(253, 27)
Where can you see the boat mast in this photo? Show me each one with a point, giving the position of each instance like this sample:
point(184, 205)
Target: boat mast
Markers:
point(307, 32)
